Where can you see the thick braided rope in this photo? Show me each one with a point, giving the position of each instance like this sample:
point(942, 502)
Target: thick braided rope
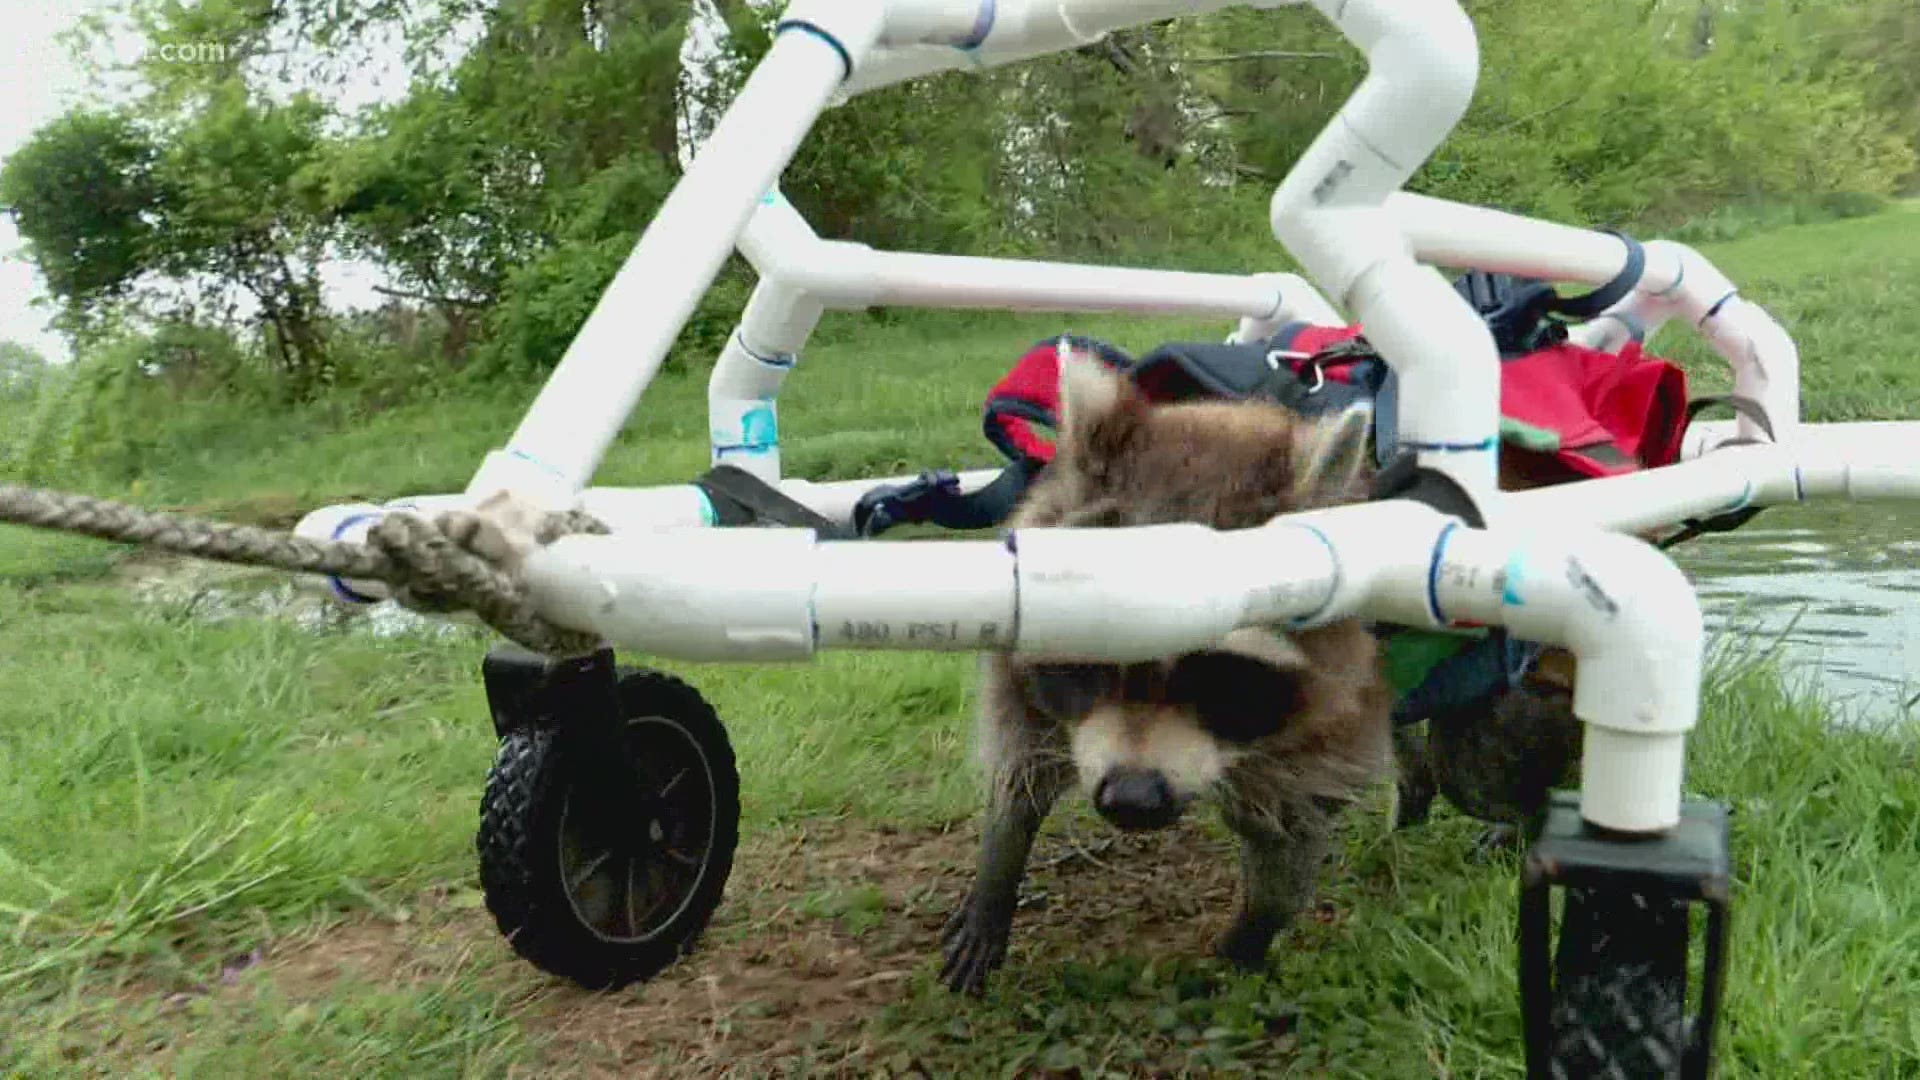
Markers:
point(427, 569)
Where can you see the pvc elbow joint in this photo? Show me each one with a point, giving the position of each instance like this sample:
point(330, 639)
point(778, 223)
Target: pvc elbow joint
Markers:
point(1431, 55)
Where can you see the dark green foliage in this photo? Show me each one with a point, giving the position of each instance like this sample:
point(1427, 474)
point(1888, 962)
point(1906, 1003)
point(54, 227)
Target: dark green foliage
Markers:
point(84, 194)
point(22, 369)
point(502, 192)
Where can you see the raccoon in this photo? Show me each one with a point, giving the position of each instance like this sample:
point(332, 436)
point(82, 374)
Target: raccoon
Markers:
point(1498, 759)
point(1283, 731)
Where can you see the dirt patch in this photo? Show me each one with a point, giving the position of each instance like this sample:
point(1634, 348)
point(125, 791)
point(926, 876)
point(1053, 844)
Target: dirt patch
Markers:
point(826, 925)
point(829, 925)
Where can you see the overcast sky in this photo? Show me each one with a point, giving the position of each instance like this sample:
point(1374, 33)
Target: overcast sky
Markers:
point(35, 86)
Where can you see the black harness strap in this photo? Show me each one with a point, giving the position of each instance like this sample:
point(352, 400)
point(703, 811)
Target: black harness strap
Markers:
point(1527, 314)
point(1732, 519)
point(1586, 307)
point(934, 497)
point(741, 500)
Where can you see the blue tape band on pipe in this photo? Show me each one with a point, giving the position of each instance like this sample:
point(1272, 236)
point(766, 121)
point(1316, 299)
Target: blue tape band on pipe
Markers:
point(982, 26)
point(776, 360)
point(341, 588)
point(1678, 277)
point(1510, 580)
point(1491, 442)
point(1335, 591)
point(1433, 573)
point(805, 27)
point(522, 455)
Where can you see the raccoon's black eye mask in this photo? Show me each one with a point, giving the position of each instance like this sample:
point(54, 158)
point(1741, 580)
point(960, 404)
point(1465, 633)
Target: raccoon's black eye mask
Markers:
point(1235, 697)
point(1070, 691)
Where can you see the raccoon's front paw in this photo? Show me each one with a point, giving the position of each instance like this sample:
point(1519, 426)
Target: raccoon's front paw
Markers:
point(1246, 942)
point(975, 944)
point(1493, 842)
point(1412, 804)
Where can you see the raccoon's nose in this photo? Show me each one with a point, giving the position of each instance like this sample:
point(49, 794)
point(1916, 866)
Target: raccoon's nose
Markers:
point(1134, 798)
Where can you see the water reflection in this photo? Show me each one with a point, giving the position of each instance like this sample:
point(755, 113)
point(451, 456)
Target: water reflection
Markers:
point(1837, 585)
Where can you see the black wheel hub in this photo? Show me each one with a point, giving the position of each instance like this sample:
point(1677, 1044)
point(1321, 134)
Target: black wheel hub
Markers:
point(630, 861)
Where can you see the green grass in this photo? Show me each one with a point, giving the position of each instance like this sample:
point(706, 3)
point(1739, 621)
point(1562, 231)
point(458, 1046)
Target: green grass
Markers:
point(1845, 291)
point(181, 792)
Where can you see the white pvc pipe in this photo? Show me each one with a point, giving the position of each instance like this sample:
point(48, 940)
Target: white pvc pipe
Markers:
point(1640, 315)
point(1299, 302)
point(689, 594)
point(843, 275)
point(1824, 462)
point(956, 24)
point(1019, 30)
point(776, 240)
point(1676, 281)
point(1865, 460)
point(876, 596)
point(891, 66)
point(1423, 62)
point(623, 510)
point(1082, 595)
point(1626, 613)
point(1765, 362)
point(589, 395)
point(1456, 234)
point(1884, 441)
point(858, 276)
point(743, 390)
point(1633, 623)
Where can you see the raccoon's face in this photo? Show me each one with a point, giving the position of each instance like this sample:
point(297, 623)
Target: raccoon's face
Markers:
point(1147, 740)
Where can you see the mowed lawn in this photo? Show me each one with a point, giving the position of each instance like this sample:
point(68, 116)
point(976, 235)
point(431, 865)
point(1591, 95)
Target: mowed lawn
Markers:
point(243, 846)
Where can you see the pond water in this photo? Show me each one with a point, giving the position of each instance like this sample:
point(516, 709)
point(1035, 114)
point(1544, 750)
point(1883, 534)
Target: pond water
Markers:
point(1832, 588)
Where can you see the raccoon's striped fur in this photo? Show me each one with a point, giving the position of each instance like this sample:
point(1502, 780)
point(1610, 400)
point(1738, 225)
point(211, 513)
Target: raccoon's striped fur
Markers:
point(1280, 730)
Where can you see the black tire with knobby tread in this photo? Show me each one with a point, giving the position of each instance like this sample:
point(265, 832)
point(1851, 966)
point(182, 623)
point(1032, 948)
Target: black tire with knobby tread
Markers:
point(519, 836)
point(1619, 1013)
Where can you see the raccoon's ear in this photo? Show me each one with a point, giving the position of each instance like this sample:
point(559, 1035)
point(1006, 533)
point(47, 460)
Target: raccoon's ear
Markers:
point(1331, 455)
point(1095, 400)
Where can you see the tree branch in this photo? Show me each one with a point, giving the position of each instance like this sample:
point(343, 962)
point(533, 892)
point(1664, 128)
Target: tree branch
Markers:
point(1220, 114)
point(1521, 121)
point(1263, 54)
point(404, 294)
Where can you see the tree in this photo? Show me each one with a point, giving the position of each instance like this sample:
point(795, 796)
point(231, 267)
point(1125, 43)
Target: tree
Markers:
point(22, 369)
point(245, 182)
point(86, 195)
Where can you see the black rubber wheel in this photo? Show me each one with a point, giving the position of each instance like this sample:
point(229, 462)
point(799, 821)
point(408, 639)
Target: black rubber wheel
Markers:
point(1620, 994)
point(565, 897)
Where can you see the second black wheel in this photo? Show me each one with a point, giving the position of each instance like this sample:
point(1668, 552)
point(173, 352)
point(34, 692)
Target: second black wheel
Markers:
point(612, 896)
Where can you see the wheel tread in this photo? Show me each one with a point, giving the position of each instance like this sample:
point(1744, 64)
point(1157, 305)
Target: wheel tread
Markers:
point(520, 806)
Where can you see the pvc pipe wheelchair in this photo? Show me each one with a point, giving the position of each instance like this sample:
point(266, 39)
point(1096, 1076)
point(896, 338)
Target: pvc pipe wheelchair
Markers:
point(1549, 565)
